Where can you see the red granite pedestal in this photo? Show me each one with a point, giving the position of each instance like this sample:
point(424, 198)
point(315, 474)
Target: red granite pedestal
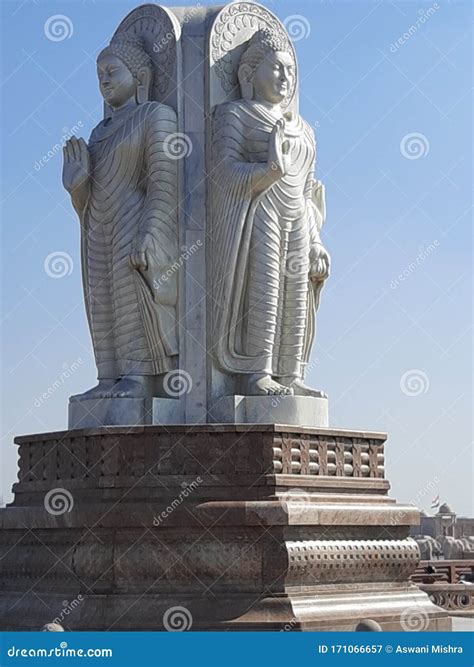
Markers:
point(208, 527)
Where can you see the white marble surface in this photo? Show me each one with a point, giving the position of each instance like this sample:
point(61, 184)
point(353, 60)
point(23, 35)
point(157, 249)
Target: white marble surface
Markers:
point(293, 410)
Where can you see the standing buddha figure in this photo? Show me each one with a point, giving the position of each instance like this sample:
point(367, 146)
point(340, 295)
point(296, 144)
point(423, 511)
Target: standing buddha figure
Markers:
point(123, 186)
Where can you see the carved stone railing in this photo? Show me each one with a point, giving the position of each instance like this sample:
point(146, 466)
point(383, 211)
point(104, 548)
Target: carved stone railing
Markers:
point(442, 571)
point(441, 579)
point(458, 599)
point(328, 455)
point(158, 457)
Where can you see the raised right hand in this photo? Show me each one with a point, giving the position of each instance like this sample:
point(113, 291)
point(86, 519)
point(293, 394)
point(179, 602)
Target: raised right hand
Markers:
point(279, 150)
point(76, 166)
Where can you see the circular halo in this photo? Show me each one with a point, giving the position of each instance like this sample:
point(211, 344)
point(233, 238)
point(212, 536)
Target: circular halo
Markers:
point(159, 31)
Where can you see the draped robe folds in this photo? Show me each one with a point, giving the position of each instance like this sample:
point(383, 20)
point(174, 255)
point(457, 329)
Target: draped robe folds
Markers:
point(290, 221)
point(133, 187)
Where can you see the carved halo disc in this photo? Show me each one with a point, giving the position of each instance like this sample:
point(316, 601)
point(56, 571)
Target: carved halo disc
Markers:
point(160, 32)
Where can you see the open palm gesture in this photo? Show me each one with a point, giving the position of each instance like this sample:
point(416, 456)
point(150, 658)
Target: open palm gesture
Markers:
point(76, 167)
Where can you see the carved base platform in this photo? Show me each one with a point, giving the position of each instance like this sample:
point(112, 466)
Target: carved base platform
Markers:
point(211, 527)
point(294, 410)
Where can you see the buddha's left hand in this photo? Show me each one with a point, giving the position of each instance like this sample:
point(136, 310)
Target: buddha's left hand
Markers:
point(142, 247)
point(320, 263)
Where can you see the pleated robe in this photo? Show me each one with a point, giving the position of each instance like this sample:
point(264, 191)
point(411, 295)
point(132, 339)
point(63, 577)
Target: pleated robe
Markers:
point(262, 300)
point(132, 314)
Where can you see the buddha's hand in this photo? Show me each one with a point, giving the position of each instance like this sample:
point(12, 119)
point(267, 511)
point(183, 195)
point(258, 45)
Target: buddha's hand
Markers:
point(278, 150)
point(320, 263)
point(142, 249)
point(76, 165)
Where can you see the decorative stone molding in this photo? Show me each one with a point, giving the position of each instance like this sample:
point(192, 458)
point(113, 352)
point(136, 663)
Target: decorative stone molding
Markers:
point(454, 598)
point(329, 561)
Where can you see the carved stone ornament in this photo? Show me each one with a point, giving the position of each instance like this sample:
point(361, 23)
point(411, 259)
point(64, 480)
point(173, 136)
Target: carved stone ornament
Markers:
point(160, 31)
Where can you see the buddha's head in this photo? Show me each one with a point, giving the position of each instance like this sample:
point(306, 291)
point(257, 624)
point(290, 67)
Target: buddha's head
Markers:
point(124, 70)
point(266, 68)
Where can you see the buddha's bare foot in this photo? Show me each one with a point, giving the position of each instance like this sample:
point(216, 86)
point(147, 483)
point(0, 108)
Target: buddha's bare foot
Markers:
point(302, 389)
point(99, 391)
point(264, 385)
point(128, 388)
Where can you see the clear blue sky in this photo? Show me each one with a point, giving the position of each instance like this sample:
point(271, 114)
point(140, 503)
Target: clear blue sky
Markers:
point(393, 354)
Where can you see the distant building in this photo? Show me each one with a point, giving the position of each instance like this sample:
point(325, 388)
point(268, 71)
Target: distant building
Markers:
point(444, 522)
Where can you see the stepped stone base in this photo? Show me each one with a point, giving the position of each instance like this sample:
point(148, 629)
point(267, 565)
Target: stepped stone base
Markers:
point(208, 527)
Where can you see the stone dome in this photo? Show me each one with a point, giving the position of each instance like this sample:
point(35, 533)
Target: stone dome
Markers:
point(445, 509)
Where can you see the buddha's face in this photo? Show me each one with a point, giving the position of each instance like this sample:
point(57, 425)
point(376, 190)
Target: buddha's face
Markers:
point(272, 77)
point(116, 82)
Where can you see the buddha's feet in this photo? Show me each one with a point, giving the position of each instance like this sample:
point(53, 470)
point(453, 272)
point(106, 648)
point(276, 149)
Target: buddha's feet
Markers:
point(127, 388)
point(302, 389)
point(99, 391)
point(264, 385)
